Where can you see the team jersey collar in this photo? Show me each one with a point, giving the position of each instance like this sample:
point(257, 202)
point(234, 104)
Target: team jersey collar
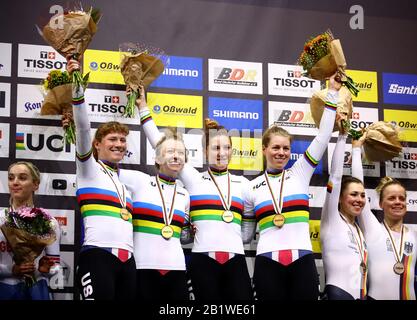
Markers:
point(217, 172)
point(111, 166)
point(273, 173)
point(166, 179)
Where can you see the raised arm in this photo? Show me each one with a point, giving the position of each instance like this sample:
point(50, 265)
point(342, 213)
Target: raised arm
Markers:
point(367, 220)
point(330, 210)
point(306, 165)
point(82, 124)
point(188, 173)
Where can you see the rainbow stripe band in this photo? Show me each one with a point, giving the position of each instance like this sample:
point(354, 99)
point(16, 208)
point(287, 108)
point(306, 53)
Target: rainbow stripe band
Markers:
point(311, 161)
point(145, 118)
point(295, 209)
point(84, 157)
point(330, 106)
point(77, 101)
point(148, 218)
point(210, 207)
point(329, 187)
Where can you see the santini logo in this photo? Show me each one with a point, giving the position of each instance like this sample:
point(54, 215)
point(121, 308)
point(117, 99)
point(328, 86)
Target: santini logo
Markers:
point(235, 114)
point(396, 88)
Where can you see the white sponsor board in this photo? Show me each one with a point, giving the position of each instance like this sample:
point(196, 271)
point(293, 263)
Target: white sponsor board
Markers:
point(67, 263)
point(193, 146)
point(370, 169)
point(4, 140)
point(4, 99)
point(5, 59)
point(295, 117)
point(108, 105)
point(65, 219)
point(37, 61)
point(29, 102)
point(57, 184)
point(287, 80)
point(235, 76)
point(363, 117)
point(412, 201)
point(317, 196)
point(42, 142)
point(404, 166)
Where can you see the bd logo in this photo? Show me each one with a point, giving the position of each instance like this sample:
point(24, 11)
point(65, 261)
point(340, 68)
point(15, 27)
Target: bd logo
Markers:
point(93, 66)
point(291, 116)
point(157, 109)
point(53, 142)
point(237, 74)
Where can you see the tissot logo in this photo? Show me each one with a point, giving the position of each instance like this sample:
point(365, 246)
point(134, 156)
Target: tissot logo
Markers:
point(111, 99)
point(110, 105)
point(363, 117)
point(59, 184)
point(288, 80)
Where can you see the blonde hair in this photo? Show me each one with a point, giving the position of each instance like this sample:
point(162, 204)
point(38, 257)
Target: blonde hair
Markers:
point(274, 130)
point(385, 182)
point(106, 128)
point(170, 133)
point(34, 171)
point(213, 129)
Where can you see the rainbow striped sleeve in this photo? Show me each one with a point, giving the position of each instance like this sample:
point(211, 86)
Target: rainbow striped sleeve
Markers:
point(77, 101)
point(330, 106)
point(310, 160)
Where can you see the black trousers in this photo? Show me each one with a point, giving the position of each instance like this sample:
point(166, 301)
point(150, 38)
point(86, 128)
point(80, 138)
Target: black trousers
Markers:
point(102, 276)
point(153, 286)
point(214, 281)
point(297, 281)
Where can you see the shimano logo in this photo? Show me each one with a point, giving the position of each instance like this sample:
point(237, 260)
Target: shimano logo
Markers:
point(396, 88)
point(235, 114)
point(180, 72)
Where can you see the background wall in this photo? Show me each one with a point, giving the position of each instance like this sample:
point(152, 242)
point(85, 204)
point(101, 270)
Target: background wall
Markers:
point(259, 40)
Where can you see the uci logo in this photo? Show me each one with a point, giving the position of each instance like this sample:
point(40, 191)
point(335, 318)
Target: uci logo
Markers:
point(93, 66)
point(53, 143)
point(157, 109)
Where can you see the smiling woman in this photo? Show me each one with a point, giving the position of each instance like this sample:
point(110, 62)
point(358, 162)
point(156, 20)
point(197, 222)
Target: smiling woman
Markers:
point(106, 266)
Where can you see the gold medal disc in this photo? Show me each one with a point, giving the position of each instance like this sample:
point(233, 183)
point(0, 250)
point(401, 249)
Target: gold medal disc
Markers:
point(125, 214)
point(227, 216)
point(399, 268)
point(167, 232)
point(278, 220)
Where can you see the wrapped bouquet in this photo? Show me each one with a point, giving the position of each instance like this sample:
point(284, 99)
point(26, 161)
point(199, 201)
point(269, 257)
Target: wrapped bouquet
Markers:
point(381, 142)
point(322, 56)
point(140, 66)
point(72, 36)
point(57, 88)
point(28, 231)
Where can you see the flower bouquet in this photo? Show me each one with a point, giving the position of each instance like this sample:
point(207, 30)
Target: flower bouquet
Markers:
point(381, 142)
point(140, 66)
point(70, 34)
point(57, 88)
point(318, 101)
point(28, 231)
point(322, 57)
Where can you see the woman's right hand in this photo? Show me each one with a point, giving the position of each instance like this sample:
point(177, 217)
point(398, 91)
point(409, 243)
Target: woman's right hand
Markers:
point(335, 82)
point(141, 100)
point(72, 65)
point(23, 268)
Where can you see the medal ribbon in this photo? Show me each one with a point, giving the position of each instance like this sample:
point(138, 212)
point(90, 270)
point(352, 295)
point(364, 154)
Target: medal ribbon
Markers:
point(122, 198)
point(359, 243)
point(167, 217)
point(398, 255)
point(277, 209)
point(226, 205)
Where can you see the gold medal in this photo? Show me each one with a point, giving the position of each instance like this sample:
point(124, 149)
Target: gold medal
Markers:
point(228, 216)
point(278, 220)
point(125, 214)
point(167, 232)
point(363, 268)
point(399, 268)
